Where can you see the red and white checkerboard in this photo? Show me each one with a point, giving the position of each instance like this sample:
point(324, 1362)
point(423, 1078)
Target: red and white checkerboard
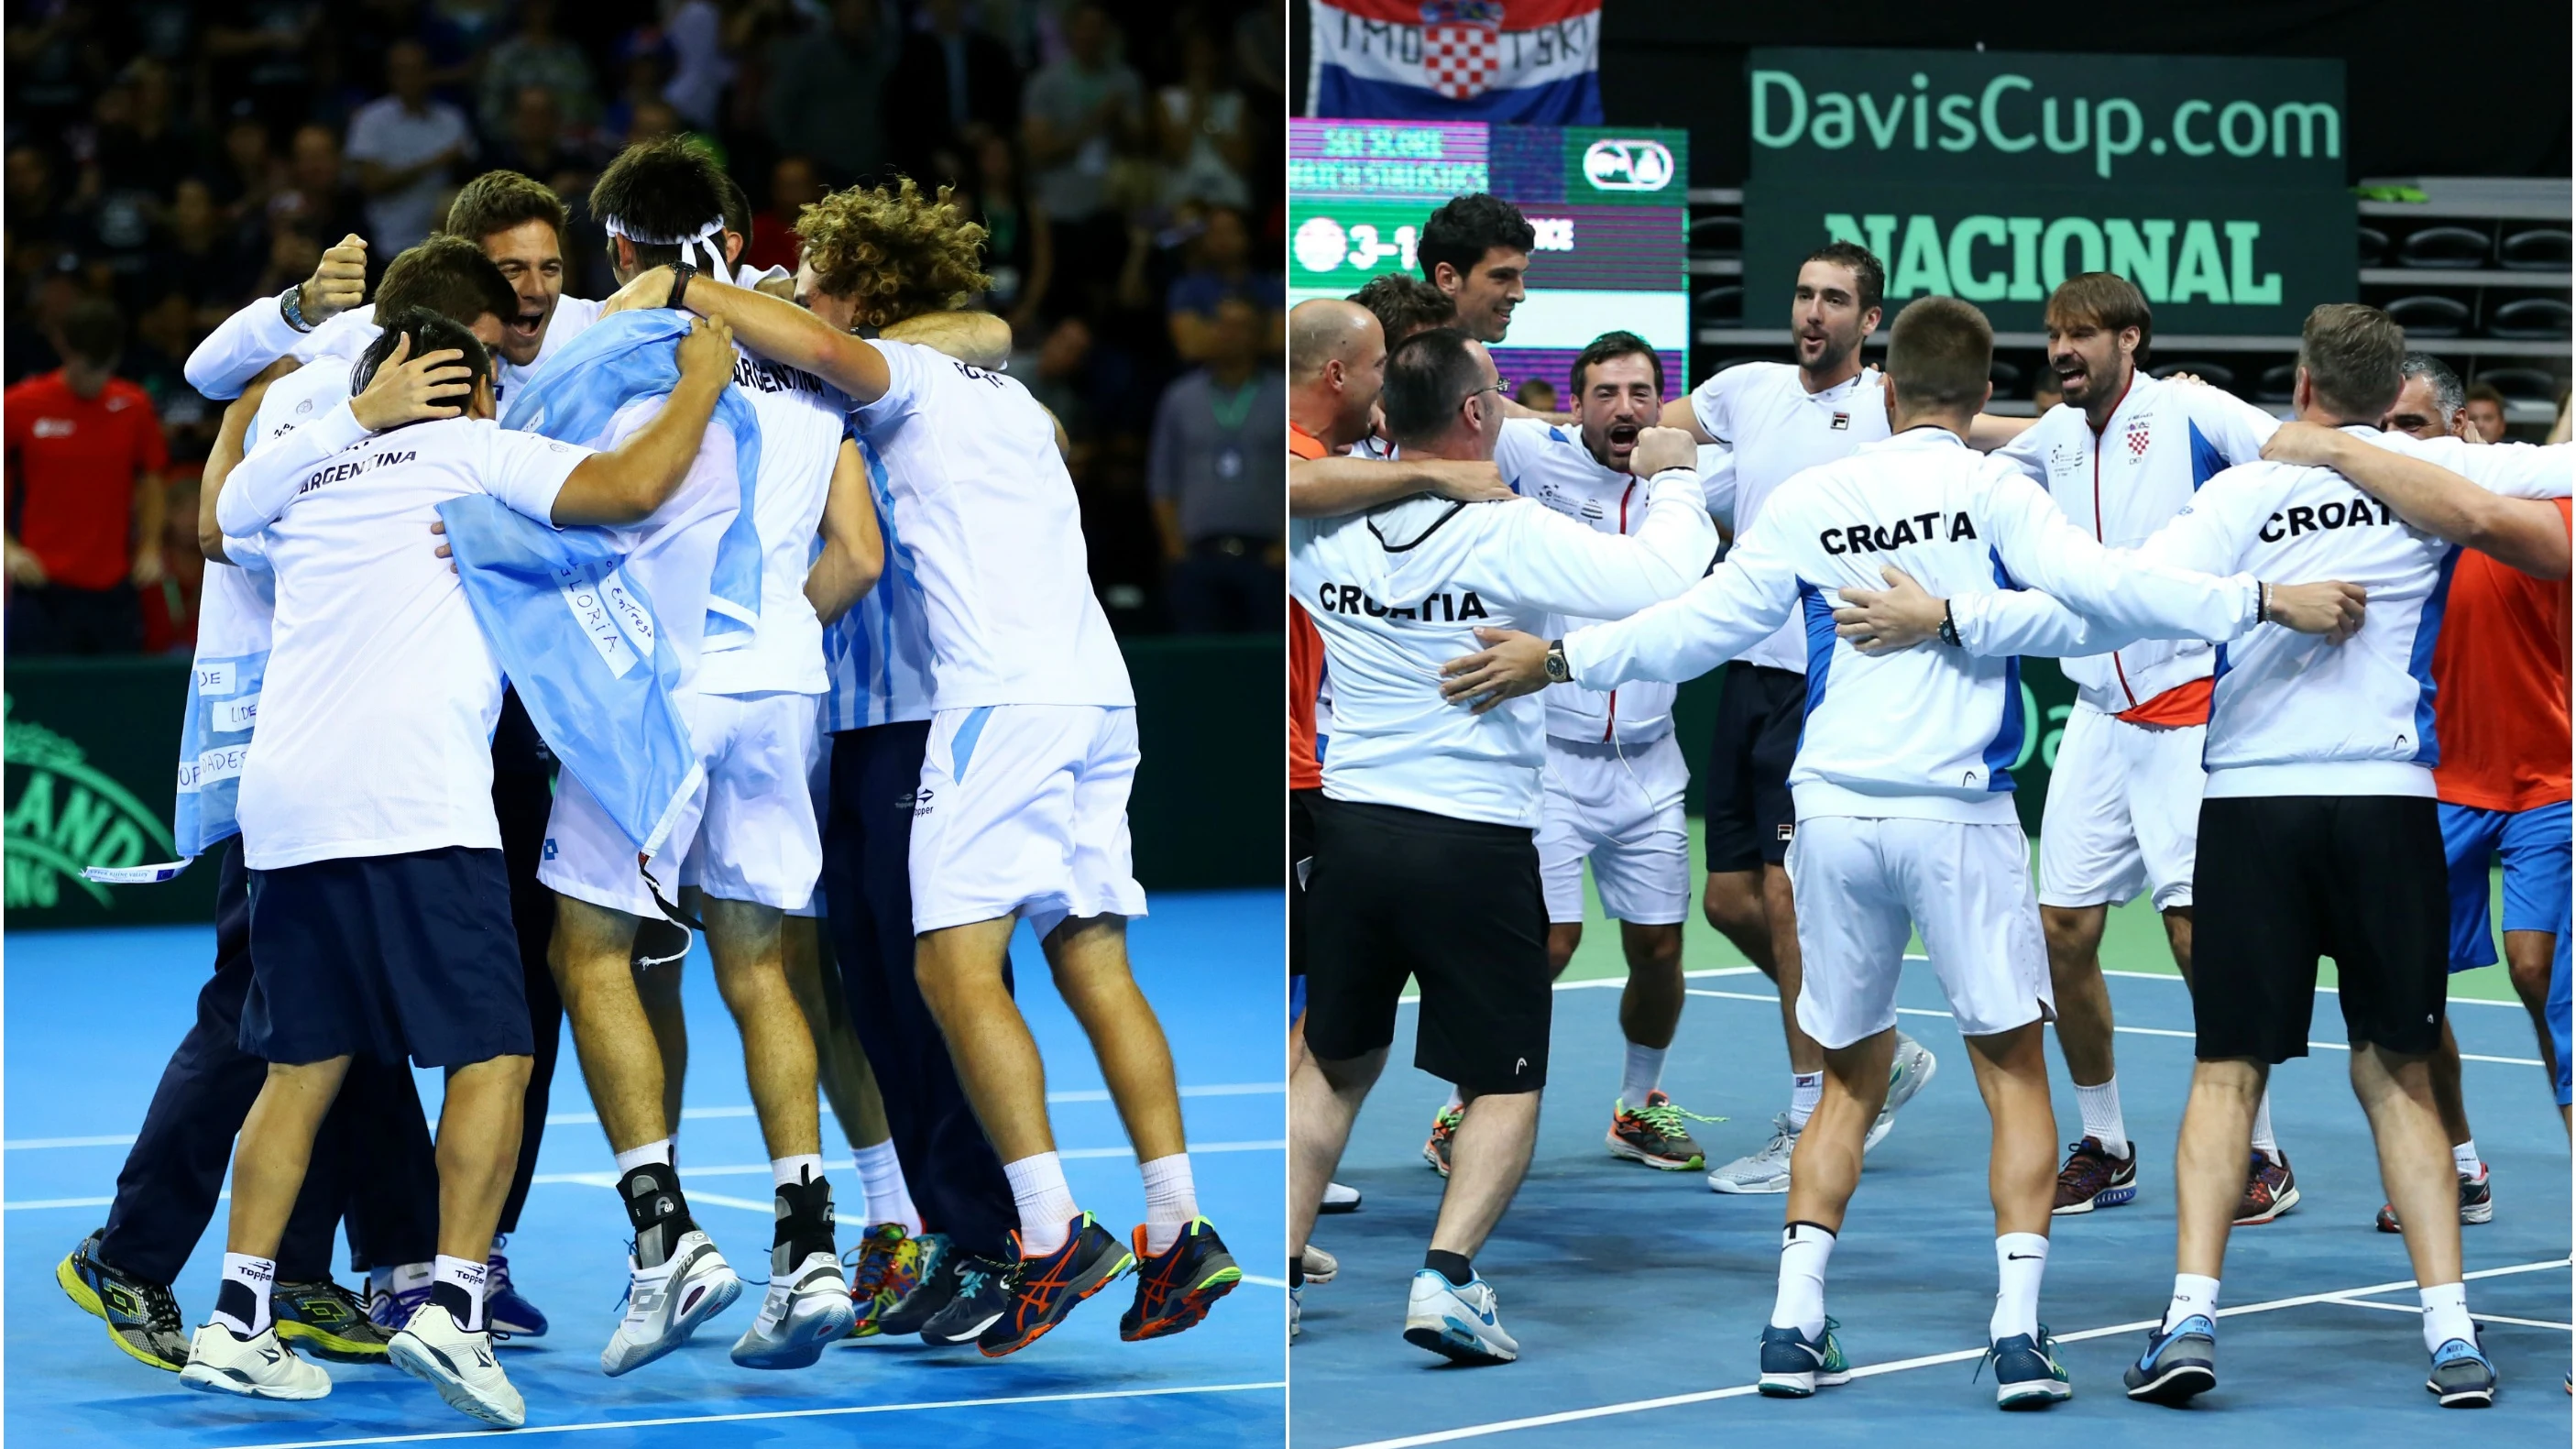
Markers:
point(1460, 61)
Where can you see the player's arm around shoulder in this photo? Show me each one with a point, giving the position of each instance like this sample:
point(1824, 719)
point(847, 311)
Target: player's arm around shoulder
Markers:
point(627, 483)
point(2487, 497)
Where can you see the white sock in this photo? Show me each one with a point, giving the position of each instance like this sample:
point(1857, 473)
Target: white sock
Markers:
point(1637, 1081)
point(2020, 1259)
point(1455, 1101)
point(2192, 1294)
point(1045, 1203)
point(2263, 1142)
point(256, 1276)
point(881, 1179)
point(466, 1275)
point(657, 1153)
point(2465, 1158)
point(790, 1171)
point(1804, 1250)
point(1806, 1089)
point(1171, 1200)
point(2101, 1108)
point(2446, 1315)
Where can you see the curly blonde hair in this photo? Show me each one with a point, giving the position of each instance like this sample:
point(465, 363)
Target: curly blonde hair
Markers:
point(894, 250)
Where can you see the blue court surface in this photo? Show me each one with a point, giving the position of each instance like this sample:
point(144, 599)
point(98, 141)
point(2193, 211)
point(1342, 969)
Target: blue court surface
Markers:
point(92, 1016)
point(1638, 1297)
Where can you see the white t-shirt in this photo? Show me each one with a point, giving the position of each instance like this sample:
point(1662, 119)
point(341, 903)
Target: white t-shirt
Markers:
point(984, 505)
point(375, 723)
point(1762, 413)
point(673, 553)
point(802, 419)
point(878, 654)
point(385, 132)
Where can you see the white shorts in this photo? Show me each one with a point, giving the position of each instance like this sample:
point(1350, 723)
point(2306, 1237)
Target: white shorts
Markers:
point(2122, 814)
point(589, 859)
point(757, 841)
point(818, 787)
point(1022, 811)
point(1625, 816)
point(1860, 884)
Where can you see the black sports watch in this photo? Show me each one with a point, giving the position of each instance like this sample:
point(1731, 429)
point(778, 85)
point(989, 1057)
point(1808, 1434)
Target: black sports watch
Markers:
point(680, 274)
point(1557, 670)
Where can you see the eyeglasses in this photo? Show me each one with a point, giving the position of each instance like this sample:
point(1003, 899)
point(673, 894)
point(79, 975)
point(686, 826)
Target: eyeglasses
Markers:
point(1493, 387)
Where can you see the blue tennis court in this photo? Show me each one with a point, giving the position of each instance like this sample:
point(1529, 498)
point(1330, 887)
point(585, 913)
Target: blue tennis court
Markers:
point(1638, 1296)
point(91, 1017)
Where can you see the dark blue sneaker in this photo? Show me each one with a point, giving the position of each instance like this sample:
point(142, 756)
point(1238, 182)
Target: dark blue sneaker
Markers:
point(2027, 1373)
point(508, 1314)
point(2176, 1365)
point(1794, 1366)
point(2462, 1377)
point(391, 1308)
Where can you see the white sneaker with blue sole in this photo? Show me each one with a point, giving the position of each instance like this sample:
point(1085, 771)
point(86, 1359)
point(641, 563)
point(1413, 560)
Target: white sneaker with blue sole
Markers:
point(1457, 1322)
point(1909, 1073)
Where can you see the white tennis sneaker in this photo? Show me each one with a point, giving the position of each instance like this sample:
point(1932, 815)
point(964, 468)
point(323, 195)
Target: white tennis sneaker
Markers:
point(805, 1309)
point(459, 1364)
point(1458, 1323)
point(665, 1305)
point(1766, 1171)
point(1908, 1074)
point(258, 1367)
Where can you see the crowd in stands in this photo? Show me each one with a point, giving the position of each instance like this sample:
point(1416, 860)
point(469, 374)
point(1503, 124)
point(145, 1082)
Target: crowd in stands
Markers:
point(167, 162)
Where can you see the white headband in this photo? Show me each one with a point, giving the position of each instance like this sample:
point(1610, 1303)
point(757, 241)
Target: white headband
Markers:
point(707, 239)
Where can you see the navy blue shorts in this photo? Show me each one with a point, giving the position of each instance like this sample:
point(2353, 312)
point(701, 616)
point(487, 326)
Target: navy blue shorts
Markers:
point(386, 956)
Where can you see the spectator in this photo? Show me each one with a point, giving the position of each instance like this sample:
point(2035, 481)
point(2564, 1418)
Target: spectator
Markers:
point(293, 253)
point(536, 147)
point(318, 197)
point(138, 146)
point(261, 54)
point(826, 92)
point(951, 88)
point(700, 69)
point(156, 363)
point(1537, 394)
point(792, 188)
point(1261, 50)
point(204, 262)
point(31, 331)
point(1057, 378)
point(652, 121)
point(1075, 116)
point(85, 465)
point(537, 56)
point(1221, 270)
point(644, 62)
point(1018, 252)
point(405, 144)
point(1206, 135)
point(2486, 412)
point(251, 172)
point(1219, 475)
point(36, 212)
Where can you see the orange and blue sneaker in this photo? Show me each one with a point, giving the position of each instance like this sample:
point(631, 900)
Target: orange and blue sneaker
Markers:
point(1044, 1289)
point(1435, 1148)
point(886, 1269)
point(1176, 1287)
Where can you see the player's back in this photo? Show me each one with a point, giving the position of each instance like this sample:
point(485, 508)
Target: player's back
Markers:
point(994, 528)
point(802, 419)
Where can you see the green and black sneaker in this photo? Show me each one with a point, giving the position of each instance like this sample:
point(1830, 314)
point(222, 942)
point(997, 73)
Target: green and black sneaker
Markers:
point(1656, 1134)
point(142, 1318)
point(328, 1321)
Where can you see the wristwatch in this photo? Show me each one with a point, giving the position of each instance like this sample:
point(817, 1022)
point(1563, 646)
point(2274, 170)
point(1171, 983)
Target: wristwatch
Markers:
point(1557, 671)
point(680, 274)
point(290, 305)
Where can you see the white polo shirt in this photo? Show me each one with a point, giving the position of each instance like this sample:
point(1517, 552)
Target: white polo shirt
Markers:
point(375, 722)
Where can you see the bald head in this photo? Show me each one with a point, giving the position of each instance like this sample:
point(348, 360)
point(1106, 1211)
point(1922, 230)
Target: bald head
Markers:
point(1336, 364)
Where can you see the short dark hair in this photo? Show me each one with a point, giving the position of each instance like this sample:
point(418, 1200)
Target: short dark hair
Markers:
point(2448, 396)
point(2483, 392)
point(1467, 227)
point(429, 332)
point(1867, 270)
point(1427, 376)
point(1941, 354)
point(94, 332)
point(1607, 346)
point(450, 276)
point(1405, 305)
point(2354, 356)
point(2107, 300)
point(496, 201)
point(666, 188)
point(737, 209)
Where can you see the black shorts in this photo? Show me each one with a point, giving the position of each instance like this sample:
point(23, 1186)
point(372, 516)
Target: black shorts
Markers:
point(1760, 712)
point(2282, 880)
point(386, 956)
point(1301, 856)
point(1454, 904)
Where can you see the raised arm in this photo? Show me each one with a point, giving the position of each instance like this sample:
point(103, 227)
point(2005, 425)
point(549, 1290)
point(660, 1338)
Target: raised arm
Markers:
point(2525, 533)
point(405, 389)
point(1735, 607)
point(258, 335)
point(1561, 566)
point(626, 483)
point(1331, 487)
point(853, 555)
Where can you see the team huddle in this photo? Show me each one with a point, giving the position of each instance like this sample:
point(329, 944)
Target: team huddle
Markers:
point(761, 577)
point(2322, 682)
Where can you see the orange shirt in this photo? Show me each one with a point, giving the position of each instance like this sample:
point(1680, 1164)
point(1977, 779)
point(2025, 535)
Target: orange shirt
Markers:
point(1305, 661)
point(2500, 687)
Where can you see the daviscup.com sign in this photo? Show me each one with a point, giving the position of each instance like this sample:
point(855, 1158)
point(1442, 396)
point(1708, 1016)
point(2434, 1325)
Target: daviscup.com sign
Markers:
point(2217, 185)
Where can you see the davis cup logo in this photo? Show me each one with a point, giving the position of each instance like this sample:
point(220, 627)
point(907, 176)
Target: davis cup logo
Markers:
point(1628, 166)
point(1462, 46)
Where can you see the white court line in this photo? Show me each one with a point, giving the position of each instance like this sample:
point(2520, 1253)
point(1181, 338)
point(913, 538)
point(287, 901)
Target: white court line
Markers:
point(775, 1414)
point(1604, 1411)
point(2329, 1046)
point(2480, 1317)
point(729, 1169)
point(703, 1114)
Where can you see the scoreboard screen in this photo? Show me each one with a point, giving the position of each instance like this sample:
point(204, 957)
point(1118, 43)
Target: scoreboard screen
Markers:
point(1607, 204)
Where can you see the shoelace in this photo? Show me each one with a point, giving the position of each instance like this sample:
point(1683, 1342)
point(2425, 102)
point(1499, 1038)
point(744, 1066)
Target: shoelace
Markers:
point(2040, 1341)
point(1667, 1118)
point(161, 1309)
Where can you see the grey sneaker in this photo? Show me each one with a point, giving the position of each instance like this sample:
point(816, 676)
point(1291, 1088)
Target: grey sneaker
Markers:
point(1766, 1171)
point(1910, 1073)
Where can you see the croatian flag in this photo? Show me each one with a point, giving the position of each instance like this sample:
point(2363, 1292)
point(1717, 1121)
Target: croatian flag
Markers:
point(1518, 62)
